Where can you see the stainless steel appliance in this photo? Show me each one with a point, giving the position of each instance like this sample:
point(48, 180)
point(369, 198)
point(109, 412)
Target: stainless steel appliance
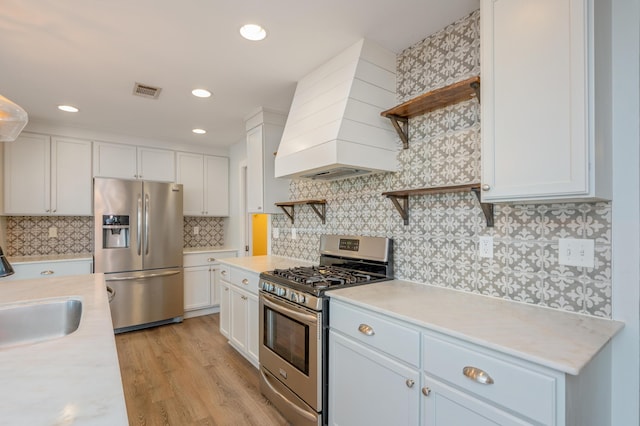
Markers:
point(294, 321)
point(138, 246)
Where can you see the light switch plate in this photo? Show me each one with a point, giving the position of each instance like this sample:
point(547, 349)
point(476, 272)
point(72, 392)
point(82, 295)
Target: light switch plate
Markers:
point(576, 252)
point(53, 232)
point(485, 246)
point(294, 233)
point(276, 233)
point(196, 230)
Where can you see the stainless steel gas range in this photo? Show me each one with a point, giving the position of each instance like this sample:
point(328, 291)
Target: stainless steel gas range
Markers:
point(294, 321)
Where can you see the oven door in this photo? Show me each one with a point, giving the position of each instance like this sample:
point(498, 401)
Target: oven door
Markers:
point(291, 345)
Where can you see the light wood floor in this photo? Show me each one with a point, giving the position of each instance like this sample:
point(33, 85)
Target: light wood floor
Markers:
point(187, 374)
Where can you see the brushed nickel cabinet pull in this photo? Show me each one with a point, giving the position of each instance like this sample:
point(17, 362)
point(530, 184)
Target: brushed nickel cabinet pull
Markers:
point(426, 391)
point(245, 281)
point(211, 259)
point(47, 272)
point(477, 375)
point(366, 329)
point(410, 383)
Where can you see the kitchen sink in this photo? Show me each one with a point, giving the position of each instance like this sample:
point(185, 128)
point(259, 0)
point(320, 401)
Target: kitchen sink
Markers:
point(38, 321)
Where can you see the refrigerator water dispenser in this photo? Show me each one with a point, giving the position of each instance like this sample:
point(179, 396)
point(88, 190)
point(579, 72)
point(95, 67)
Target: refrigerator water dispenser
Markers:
point(115, 231)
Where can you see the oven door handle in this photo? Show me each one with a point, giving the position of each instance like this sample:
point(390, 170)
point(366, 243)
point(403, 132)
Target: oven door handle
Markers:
point(276, 305)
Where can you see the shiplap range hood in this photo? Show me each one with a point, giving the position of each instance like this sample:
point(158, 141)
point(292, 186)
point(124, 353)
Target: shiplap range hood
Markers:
point(334, 129)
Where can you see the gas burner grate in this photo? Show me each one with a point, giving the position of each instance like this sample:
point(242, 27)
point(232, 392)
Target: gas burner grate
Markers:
point(322, 276)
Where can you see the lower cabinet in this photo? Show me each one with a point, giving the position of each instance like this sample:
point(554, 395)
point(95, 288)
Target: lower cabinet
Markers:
point(239, 320)
point(201, 282)
point(383, 370)
point(369, 388)
point(48, 269)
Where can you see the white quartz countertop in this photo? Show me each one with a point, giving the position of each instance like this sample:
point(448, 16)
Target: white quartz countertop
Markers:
point(560, 340)
point(264, 263)
point(50, 258)
point(72, 380)
point(207, 249)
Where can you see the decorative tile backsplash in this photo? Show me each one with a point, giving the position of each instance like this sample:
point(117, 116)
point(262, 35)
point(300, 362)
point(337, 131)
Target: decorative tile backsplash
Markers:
point(29, 235)
point(440, 244)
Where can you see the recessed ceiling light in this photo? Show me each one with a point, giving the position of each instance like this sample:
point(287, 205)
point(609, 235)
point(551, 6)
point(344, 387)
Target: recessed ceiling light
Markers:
point(253, 32)
point(199, 131)
point(68, 108)
point(201, 93)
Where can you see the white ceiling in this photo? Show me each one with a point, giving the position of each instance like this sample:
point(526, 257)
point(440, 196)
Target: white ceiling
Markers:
point(89, 53)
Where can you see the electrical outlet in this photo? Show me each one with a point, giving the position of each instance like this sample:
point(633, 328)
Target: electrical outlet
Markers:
point(276, 233)
point(576, 252)
point(485, 246)
point(53, 232)
point(294, 233)
point(196, 230)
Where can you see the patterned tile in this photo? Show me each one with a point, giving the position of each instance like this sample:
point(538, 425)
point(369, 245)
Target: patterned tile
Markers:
point(439, 246)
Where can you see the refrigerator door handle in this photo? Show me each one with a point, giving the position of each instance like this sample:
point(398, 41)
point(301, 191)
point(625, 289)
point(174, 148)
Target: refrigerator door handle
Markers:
point(146, 224)
point(139, 277)
point(139, 215)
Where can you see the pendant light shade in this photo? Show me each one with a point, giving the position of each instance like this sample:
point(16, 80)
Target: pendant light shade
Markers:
point(5, 267)
point(12, 120)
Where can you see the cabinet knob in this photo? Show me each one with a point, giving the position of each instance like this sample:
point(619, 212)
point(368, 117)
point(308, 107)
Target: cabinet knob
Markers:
point(223, 272)
point(226, 289)
point(54, 210)
point(426, 391)
point(486, 187)
point(47, 272)
point(366, 330)
point(245, 281)
point(47, 210)
point(410, 383)
point(259, 208)
point(211, 259)
point(244, 297)
point(477, 375)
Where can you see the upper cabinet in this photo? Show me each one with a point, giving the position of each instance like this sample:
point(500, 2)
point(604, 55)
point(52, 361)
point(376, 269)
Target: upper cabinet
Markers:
point(47, 176)
point(131, 162)
point(264, 131)
point(206, 184)
point(546, 101)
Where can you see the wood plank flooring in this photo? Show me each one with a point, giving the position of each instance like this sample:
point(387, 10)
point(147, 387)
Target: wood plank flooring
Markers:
point(187, 374)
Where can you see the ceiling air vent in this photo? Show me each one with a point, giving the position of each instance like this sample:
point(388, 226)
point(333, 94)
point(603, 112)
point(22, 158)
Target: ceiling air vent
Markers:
point(146, 91)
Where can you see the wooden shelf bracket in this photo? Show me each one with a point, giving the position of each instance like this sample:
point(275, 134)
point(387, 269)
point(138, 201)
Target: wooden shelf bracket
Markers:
point(430, 101)
point(318, 206)
point(400, 199)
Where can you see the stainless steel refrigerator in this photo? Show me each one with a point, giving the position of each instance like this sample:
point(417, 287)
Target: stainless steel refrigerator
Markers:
point(138, 246)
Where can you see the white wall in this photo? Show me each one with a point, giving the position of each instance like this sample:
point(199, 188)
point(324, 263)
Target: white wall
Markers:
point(626, 211)
point(233, 232)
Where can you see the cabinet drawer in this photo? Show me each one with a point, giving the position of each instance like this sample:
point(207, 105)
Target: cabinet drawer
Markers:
point(380, 332)
point(244, 279)
point(206, 257)
point(519, 387)
point(52, 269)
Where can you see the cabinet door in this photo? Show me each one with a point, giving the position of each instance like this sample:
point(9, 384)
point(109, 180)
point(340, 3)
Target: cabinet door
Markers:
point(253, 328)
point(368, 388)
point(27, 165)
point(534, 100)
point(197, 288)
point(216, 184)
point(446, 406)
point(255, 171)
point(113, 160)
point(191, 175)
point(71, 186)
point(156, 164)
point(238, 318)
point(225, 306)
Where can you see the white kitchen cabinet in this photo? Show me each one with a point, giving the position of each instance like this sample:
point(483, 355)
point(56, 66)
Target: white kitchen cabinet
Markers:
point(546, 132)
point(47, 176)
point(378, 374)
point(205, 179)
point(25, 270)
point(367, 387)
point(133, 162)
point(239, 319)
point(264, 131)
point(201, 281)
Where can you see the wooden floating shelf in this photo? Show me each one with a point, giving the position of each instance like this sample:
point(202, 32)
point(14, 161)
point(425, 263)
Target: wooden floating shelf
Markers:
point(318, 206)
point(400, 199)
point(430, 101)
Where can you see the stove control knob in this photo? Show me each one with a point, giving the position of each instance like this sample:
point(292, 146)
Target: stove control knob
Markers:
point(302, 299)
point(281, 291)
point(293, 297)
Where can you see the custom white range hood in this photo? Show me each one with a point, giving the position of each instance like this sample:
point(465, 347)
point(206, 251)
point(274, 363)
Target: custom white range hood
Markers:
point(334, 129)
